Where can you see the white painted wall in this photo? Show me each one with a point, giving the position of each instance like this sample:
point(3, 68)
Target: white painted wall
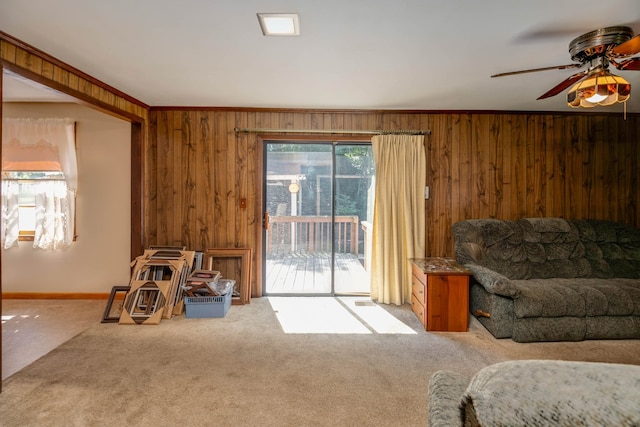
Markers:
point(100, 256)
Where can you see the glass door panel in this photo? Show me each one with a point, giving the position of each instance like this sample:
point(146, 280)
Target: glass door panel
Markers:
point(319, 201)
point(353, 207)
point(298, 199)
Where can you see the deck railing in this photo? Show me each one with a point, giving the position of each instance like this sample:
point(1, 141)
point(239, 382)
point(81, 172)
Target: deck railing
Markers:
point(310, 234)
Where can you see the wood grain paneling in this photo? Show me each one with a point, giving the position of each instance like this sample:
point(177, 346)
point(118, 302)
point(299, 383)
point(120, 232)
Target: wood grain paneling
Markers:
point(480, 165)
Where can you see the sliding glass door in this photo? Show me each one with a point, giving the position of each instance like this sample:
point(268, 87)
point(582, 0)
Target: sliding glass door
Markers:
point(318, 206)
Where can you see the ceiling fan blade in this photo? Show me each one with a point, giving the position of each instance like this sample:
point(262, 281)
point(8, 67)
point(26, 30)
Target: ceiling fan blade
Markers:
point(632, 64)
point(630, 47)
point(533, 70)
point(563, 85)
point(561, 30)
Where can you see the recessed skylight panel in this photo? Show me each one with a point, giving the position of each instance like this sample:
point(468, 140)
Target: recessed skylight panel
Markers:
point(279, 24)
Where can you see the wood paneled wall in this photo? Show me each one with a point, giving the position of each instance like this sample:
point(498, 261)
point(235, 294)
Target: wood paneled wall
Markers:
point(480, 165)
point(191, 172)
point(510, 166)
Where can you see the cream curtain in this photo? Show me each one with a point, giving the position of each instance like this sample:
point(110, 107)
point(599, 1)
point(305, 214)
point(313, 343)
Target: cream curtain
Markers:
point(399, 215)
point(41, 145)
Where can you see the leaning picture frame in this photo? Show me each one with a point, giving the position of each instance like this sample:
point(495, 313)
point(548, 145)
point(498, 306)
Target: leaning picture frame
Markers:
point(243, 284)
point(145, 302)
point(113, 310)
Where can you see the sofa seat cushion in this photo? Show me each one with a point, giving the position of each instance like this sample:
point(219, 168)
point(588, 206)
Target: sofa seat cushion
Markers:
point(577, 297)
point(559, 393)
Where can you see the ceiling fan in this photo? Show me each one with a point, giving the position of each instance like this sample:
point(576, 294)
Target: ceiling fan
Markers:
point(596, 50)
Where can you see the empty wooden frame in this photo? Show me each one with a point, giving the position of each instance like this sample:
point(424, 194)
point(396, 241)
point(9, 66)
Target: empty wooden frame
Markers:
point(112, 312)
point(243, 284)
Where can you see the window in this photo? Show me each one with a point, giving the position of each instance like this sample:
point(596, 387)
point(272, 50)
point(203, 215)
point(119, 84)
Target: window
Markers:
point(39, 178)
point(27, 183)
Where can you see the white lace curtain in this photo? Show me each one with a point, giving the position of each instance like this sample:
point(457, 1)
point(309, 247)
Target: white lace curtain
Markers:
point(36, 145)
point(10, 214)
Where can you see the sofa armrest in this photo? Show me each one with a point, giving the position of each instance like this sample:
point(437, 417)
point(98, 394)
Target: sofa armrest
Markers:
point(553, 392)
point(493, 281)
point(445, 396)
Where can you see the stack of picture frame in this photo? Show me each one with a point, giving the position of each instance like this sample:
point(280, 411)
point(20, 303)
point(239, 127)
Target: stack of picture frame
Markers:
point(155, 287)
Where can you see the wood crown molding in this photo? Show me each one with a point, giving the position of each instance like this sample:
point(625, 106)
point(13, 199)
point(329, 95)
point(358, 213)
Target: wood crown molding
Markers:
point(381, 111)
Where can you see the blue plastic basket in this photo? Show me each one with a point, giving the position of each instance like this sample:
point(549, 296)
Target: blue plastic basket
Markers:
point(197, 307)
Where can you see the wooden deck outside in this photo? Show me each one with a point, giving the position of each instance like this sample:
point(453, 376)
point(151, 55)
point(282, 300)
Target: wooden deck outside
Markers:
point(311, 274)
point(310, 234)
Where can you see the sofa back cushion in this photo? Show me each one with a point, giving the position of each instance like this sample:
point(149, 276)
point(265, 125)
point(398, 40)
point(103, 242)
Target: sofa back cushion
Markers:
point(491, 243)
point(541, 248)
point(612, 249)
point(554, 248)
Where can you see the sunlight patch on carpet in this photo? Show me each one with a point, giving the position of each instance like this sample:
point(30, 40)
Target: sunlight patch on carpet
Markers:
point(327, 315)
point(379, 319)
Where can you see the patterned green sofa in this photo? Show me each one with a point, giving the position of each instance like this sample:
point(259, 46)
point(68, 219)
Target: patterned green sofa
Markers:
point(550, 279)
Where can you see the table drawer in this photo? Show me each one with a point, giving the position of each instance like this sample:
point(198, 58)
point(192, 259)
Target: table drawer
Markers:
point(418, 289)
point(418, 309)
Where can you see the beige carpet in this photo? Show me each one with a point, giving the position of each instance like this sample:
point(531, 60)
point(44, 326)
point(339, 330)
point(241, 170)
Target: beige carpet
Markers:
point(244, 369)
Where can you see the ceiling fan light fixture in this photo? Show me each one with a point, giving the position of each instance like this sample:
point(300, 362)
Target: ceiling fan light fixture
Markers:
point(599, 88)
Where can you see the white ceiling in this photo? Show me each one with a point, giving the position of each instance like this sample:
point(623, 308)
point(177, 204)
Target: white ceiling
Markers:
point(351, 54)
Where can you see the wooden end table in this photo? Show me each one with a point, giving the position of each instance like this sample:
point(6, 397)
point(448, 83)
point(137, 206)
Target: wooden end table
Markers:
point(440, 294)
